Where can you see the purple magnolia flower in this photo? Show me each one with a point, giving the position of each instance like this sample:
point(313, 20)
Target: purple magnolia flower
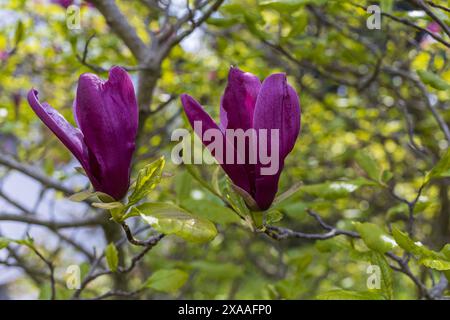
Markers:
point(248, 104)
point(106, 113)
point(63, 3)
point(67, 3)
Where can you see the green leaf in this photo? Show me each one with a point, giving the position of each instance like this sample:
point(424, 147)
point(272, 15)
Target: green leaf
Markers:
point(84, 195)
point(19, 32)
point(441, 169)
point(273, 216)
point(374, 237)
point(387, 286)
point(221, 22)
point(234, 199)
point(368, 164)
point(436, 264)
point(334, 189)
point(386, 5)
point(168, 218)
point(108, 205)
point(81, 196)
point(349, 295)
point(280, 199)
point(211, 210)
point(4, 242)
point(148, 178)
point(112, 257)
point(433, 80)
point(169, 280)
point(445, 251)
point(407, 244)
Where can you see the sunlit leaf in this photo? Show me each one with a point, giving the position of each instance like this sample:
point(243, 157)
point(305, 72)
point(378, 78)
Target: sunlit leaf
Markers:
point(112, 257)
point(374, 237)
point(147, 179)
point(433, 80)
point(168, 218)
point(441, 169)
point(368, 164)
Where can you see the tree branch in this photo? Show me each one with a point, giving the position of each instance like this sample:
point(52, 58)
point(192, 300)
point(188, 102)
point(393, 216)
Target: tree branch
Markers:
point(119, 24)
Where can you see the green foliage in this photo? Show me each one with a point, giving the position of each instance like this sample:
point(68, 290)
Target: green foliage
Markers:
point(146, 181)
point(433, 80)
point(366, 162)
point(441, 169)
point(112, 257)
point(169, 280)
point(386, 277)
point(167, 218)
point(374, 237)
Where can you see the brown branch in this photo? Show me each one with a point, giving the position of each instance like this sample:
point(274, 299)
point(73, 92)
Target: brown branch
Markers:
point(54, 225)
point(119, 24)
point(439, 119)
point(409, 24)
point(432, 15)
point(437, 6)
point(33, 173)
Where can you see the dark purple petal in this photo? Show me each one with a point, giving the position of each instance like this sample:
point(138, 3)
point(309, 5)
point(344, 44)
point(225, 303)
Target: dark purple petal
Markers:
point(238, 101)
point(107, 114)
point(195, 112)
point(70, 136)
point(277, 107)
point(63, 3)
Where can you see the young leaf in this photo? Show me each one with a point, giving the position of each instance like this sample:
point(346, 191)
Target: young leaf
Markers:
point(335, 189)
point(287, 194)
point(416, 248)
point(169, 280)
point(4, 243)
point(18, 35)
point(112, 257)
point(441, 169)
point(84, 195)
point(148, 178)
point(234, 199)
point(386, 279)
point(374, 237)
point(273, 216)
point(436, 264)
point(433, 80)
point(168, 218)
point(108, 205)
point(445, 251)
point(81, 196)
point(368, 164)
